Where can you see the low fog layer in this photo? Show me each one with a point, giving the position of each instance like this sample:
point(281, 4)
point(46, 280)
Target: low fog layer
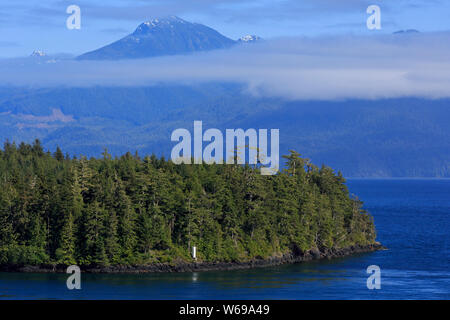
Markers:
point(294, 68)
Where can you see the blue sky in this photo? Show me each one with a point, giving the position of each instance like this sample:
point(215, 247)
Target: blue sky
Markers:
point(26, 25)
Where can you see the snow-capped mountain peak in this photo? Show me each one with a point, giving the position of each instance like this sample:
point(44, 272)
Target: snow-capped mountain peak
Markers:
point(38, 53)
point(162, 36)
point(159, 23)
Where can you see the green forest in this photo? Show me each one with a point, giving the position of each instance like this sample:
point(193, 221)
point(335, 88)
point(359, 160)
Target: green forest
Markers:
point(134, 210)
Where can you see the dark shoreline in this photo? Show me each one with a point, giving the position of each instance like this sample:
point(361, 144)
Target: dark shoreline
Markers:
point(290, 258)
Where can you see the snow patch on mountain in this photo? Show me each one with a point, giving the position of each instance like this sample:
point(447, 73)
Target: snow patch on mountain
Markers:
point(406, 31)
point(38, 53)
point(249, 39)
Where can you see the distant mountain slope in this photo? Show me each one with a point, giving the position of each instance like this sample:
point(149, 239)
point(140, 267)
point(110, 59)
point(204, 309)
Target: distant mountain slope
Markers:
point(407, 137)
point(159, 37)
point(386, 138)
point(409, 31)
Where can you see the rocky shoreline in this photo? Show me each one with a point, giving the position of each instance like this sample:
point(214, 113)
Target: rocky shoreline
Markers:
point(294, 257)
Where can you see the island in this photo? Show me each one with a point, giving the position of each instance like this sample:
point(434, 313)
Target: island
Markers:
point(146, 214)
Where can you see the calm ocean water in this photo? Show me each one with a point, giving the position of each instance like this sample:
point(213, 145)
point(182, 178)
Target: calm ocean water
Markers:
point(412, 219)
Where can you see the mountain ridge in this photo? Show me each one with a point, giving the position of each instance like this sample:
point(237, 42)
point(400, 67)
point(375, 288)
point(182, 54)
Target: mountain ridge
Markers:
point(159, 37)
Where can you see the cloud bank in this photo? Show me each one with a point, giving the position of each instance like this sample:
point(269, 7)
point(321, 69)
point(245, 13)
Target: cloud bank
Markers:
point(322, 68)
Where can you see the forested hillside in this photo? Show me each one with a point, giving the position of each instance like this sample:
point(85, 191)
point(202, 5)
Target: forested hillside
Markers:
point(408, 137)
point(141, 210)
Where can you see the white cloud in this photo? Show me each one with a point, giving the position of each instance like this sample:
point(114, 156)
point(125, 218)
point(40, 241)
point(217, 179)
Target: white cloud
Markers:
point(294, 68)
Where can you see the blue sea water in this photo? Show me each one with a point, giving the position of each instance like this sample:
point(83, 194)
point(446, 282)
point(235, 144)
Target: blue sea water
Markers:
point(412, 219)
